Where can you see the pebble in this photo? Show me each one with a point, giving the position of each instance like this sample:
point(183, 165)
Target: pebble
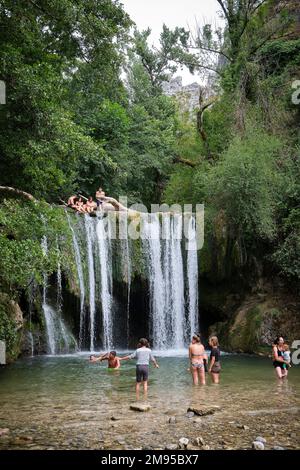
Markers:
point(278, 448)
point(199, 441)
point(261, 439)
point(190, 414)
point(204, 410)
point(141, 408)
point(257, 445)
point(3, 431)
point(183, 442)
point(172, 420)
point(171, 447)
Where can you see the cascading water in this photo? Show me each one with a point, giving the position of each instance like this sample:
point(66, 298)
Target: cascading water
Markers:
point(192, 277)
point(58, 336)
point(126, 265)
point(90, 235)
point(80, 279)
point(151, 239)
point(103, 235)
point(172, 278)
point(172, 316)
point(48, 311)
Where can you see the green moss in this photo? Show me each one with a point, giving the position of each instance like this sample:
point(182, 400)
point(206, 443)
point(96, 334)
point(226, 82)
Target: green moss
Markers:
point(8, 329)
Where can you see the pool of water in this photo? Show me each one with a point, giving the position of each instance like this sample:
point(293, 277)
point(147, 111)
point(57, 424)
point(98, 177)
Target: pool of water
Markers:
point(64, 402)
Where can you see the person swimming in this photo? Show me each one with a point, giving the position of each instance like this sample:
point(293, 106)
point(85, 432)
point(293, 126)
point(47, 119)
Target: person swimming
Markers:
point(111, 357)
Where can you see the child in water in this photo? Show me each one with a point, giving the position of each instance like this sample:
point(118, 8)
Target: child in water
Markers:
point(143, 355)
point(286, 357)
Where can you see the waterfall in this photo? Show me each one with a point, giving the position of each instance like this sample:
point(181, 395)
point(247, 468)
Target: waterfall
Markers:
point(80, 279)
point(172, 274)
point(48, 312)
point(90, 232)
point(150, 227)
point(30, 302)
point(58, 336)
point(173, 317)
point(177, 283)
point(126, 266)
point(103, 235)
point(192, 278)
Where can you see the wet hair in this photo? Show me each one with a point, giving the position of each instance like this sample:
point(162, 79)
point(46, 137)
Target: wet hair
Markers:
point(113, 353)
point(196, 337)
point(214, 341)
point(143, 342)
point(276, 341)
point(90, 198)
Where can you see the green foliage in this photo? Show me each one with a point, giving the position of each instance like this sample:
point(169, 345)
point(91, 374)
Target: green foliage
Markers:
point(8, 327)
point(22, 227)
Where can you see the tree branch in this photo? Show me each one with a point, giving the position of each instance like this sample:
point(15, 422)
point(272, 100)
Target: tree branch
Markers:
point(185, 161)
point(17, 192)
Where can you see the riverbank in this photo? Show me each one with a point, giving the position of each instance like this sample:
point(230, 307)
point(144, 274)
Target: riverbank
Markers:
point(68, 403)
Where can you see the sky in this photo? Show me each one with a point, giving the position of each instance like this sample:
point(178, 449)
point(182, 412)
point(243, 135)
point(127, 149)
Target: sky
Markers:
point(153, 13)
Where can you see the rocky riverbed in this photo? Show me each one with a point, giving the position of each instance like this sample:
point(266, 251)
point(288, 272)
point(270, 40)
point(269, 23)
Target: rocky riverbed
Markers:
point(225, 416)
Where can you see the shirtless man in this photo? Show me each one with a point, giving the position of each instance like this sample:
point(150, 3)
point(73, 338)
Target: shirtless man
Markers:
point(90, 205)
point(111, 357)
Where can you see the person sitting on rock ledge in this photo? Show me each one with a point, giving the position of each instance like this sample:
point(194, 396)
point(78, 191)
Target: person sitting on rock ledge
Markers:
point(90, 205)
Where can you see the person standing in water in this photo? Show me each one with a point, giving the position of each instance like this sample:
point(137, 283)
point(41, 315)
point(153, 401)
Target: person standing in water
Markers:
point(278, 358)
point(214, 362)
point(143, 355)
point(197, 355)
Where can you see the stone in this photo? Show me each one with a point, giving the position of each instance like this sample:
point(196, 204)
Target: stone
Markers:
point(141, 408)
point(204, 411)
point(3, 431)
point(115, 418)
point(206, 447)
point(172, 420)
point(183, 442)
point(199, 441)
point(261, 439)
point(278, 448)
point(197, 420)
point(190, 414)
point(257, 445)
point(171, 447)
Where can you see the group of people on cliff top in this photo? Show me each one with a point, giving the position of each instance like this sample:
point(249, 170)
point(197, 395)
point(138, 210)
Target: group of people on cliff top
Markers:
point(199, 363)
point(87, 205)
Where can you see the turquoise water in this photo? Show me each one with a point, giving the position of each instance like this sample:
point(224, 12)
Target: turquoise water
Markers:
point(68, 391)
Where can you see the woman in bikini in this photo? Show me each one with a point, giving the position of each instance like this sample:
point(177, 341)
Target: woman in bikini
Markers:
point(197, 355)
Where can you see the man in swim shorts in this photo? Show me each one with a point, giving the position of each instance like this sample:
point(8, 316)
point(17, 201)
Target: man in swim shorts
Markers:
point(111, 357)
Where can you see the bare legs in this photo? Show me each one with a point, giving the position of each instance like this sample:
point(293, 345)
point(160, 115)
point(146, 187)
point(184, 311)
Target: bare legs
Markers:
point(281, 373)
point(198, 374)
point(215, 378)
point(137, 389)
